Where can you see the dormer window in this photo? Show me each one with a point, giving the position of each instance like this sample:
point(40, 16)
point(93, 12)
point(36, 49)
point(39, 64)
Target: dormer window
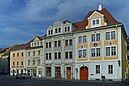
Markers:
point(59, 30)
point(56, 30)
point(95, 22)
point(67, 29)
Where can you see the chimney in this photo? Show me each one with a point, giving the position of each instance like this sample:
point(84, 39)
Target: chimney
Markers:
point(100, 7)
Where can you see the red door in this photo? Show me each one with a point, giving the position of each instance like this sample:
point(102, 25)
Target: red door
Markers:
point(84, 73)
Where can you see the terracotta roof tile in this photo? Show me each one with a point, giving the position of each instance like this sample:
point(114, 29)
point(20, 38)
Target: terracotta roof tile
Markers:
point(108, 18)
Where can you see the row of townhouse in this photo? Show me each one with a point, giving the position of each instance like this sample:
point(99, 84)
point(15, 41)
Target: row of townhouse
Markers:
point(92, 49)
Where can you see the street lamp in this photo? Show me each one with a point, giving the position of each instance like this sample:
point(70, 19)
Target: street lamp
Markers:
point(119, 62)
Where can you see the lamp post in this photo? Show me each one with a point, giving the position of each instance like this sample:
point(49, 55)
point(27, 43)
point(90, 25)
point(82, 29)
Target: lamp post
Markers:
point(76, 73)
point(119, 63)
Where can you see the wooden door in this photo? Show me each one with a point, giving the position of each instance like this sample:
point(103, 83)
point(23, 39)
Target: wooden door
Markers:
point(57, 72)
point(83, 73)
point(69, 74)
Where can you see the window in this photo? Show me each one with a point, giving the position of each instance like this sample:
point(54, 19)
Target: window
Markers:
point(17, 63)
point(49, 56)
point(66, 42)
point(110, 35)
point(28, 53)
point(113, 35)
point(51, 31)
point(17, 54)
point(92, 37)
point(21, 62)
point(95, 37)
point(33, 62)
point(55, 55)
point(80, 39)
point(28, 62)
point(67, 29)
point(59, 30)
point(111, 51)
point(46, 56)
point(13, 54)
point(33, 53)
point(59, 43)
point(80, 53)
point(56, 30)
point(38, 43)
point(39, 52)
point(97, 52)
point(84, 53)
point(110, 69)
point(66, 55)
point(84, 39)
point(97, 69)
point(107, 51)
point(49, 44)
point(55, 43)
point(13, 63)
point(107, 35)
point(70, 55)
point(97, 21)
point(59, 55)
point(70, 42)
point(93, 52)
point(98, 37)
point(40, 72)
point(93, 22)
point(22, 54)
point(46, 44)
point(38, 61)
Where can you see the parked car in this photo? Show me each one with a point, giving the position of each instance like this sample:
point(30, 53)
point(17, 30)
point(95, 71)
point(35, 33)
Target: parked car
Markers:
point(23, 76)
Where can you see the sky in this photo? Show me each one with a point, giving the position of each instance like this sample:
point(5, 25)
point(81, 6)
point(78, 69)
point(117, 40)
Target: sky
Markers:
point(22, 20)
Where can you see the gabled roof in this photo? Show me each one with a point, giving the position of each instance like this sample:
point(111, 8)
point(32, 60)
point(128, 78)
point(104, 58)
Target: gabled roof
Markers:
point(110, 20)
point(19, 47)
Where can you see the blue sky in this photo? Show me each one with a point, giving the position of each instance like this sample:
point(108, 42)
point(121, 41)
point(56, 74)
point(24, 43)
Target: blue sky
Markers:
point(21, 20)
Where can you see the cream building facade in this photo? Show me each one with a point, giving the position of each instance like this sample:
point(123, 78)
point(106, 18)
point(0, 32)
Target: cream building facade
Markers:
point(101, 47)
point(34, 60)
point(18, 59)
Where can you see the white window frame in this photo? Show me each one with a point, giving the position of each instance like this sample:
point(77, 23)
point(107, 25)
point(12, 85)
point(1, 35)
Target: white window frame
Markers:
point(95, 51)
point(94, 38)
point(111, 50)
point(95, 25)
point(110, 35)
point(82, 53)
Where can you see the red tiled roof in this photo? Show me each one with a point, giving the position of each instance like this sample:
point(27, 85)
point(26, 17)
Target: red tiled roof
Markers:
point(110, 20)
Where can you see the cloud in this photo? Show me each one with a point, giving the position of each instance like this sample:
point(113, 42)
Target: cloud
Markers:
point(20, 20)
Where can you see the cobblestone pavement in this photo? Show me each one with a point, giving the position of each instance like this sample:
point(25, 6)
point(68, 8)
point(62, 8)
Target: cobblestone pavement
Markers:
point(11, 81)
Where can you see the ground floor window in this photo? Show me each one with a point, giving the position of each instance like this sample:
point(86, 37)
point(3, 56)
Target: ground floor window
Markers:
point(40, 71)
point(48, 71)
point(97, 69)
point(110, 69)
